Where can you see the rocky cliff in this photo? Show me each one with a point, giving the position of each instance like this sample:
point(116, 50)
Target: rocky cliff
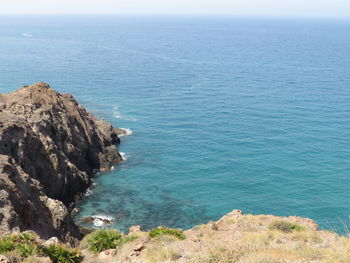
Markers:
point(50, 148)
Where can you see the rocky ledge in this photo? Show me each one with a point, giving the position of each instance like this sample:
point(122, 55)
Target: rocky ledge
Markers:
point(50, 148)
point(236, 237)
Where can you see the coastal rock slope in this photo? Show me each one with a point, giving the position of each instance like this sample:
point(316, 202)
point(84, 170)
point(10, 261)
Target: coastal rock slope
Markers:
point(50, 147)
point(235, 238)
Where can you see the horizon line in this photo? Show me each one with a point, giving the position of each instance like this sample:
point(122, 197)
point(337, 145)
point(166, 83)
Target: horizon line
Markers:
point(179, 14)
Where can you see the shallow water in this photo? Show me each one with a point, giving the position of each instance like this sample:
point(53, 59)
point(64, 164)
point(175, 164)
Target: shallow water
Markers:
point(226, 112)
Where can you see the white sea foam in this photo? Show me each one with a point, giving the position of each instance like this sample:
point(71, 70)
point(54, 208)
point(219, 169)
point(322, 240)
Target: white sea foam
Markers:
point(98, 219)
point(117, 115)
point(127, 132)
point(27, 35)
point(98, 222)
point(130, 119)
point(124, 156)
point(88, 192)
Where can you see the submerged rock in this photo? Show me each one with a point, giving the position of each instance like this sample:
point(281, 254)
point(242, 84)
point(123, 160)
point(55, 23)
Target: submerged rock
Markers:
point(50, 148)
point(96, 220)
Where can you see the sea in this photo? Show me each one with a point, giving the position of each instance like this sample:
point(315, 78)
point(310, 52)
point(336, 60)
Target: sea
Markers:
point(222, 112)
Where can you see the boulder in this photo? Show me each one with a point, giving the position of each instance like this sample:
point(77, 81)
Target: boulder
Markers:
point(134, 230)
point(107, 255)
point(4, 259)
point(51, 241)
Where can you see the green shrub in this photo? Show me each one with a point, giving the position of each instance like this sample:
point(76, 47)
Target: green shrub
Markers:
point(23, 243)
point(61, 254)
point(26, 237)
point(167, 231)
point(285, 227)
point(214, 226)
point(101, 240)
point(26, 250)
point(6, 245)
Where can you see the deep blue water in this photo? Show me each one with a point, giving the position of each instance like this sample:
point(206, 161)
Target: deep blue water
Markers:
point(247, 113)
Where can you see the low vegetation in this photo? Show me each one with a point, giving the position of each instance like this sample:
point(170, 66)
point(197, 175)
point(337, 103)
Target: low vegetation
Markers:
point(18, 247)
point(214, 226)
point(161, 254)
point(162, 248)
point(220, 255)
point(268, 239)
point(104, 239)
point(24, 244)
point(285, 226)
point(236, 238)
point(62, 254)
point(167, 231)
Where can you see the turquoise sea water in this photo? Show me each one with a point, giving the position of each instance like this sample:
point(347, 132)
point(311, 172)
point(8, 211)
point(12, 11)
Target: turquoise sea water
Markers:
point(247, 113)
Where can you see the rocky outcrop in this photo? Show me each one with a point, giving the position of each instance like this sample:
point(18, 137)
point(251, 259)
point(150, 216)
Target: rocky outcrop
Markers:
point(236, 237)
point(50, 148)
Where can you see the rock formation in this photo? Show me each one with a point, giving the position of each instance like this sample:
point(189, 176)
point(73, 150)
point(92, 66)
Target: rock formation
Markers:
point(50, 148)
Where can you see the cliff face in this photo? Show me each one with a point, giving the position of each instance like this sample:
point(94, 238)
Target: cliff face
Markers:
point(50, 147)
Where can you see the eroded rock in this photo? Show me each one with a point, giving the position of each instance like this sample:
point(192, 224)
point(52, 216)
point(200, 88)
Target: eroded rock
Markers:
point(107, 255)
point(4, 259)
point(134, 229)
point(51, 241)
point(50, 148)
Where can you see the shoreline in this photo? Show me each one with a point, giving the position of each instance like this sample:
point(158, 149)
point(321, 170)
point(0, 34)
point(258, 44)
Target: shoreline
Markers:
point(97, 220)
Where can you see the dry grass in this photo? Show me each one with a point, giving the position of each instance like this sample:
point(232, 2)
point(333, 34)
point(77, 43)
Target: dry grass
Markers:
point(220, 255)
point(14, 257)
point(161, 249)
point(251, 239)
point(272, 256)
point(274, 247)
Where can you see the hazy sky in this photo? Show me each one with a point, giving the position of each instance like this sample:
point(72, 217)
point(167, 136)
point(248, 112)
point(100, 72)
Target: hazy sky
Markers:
point(333, 8)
